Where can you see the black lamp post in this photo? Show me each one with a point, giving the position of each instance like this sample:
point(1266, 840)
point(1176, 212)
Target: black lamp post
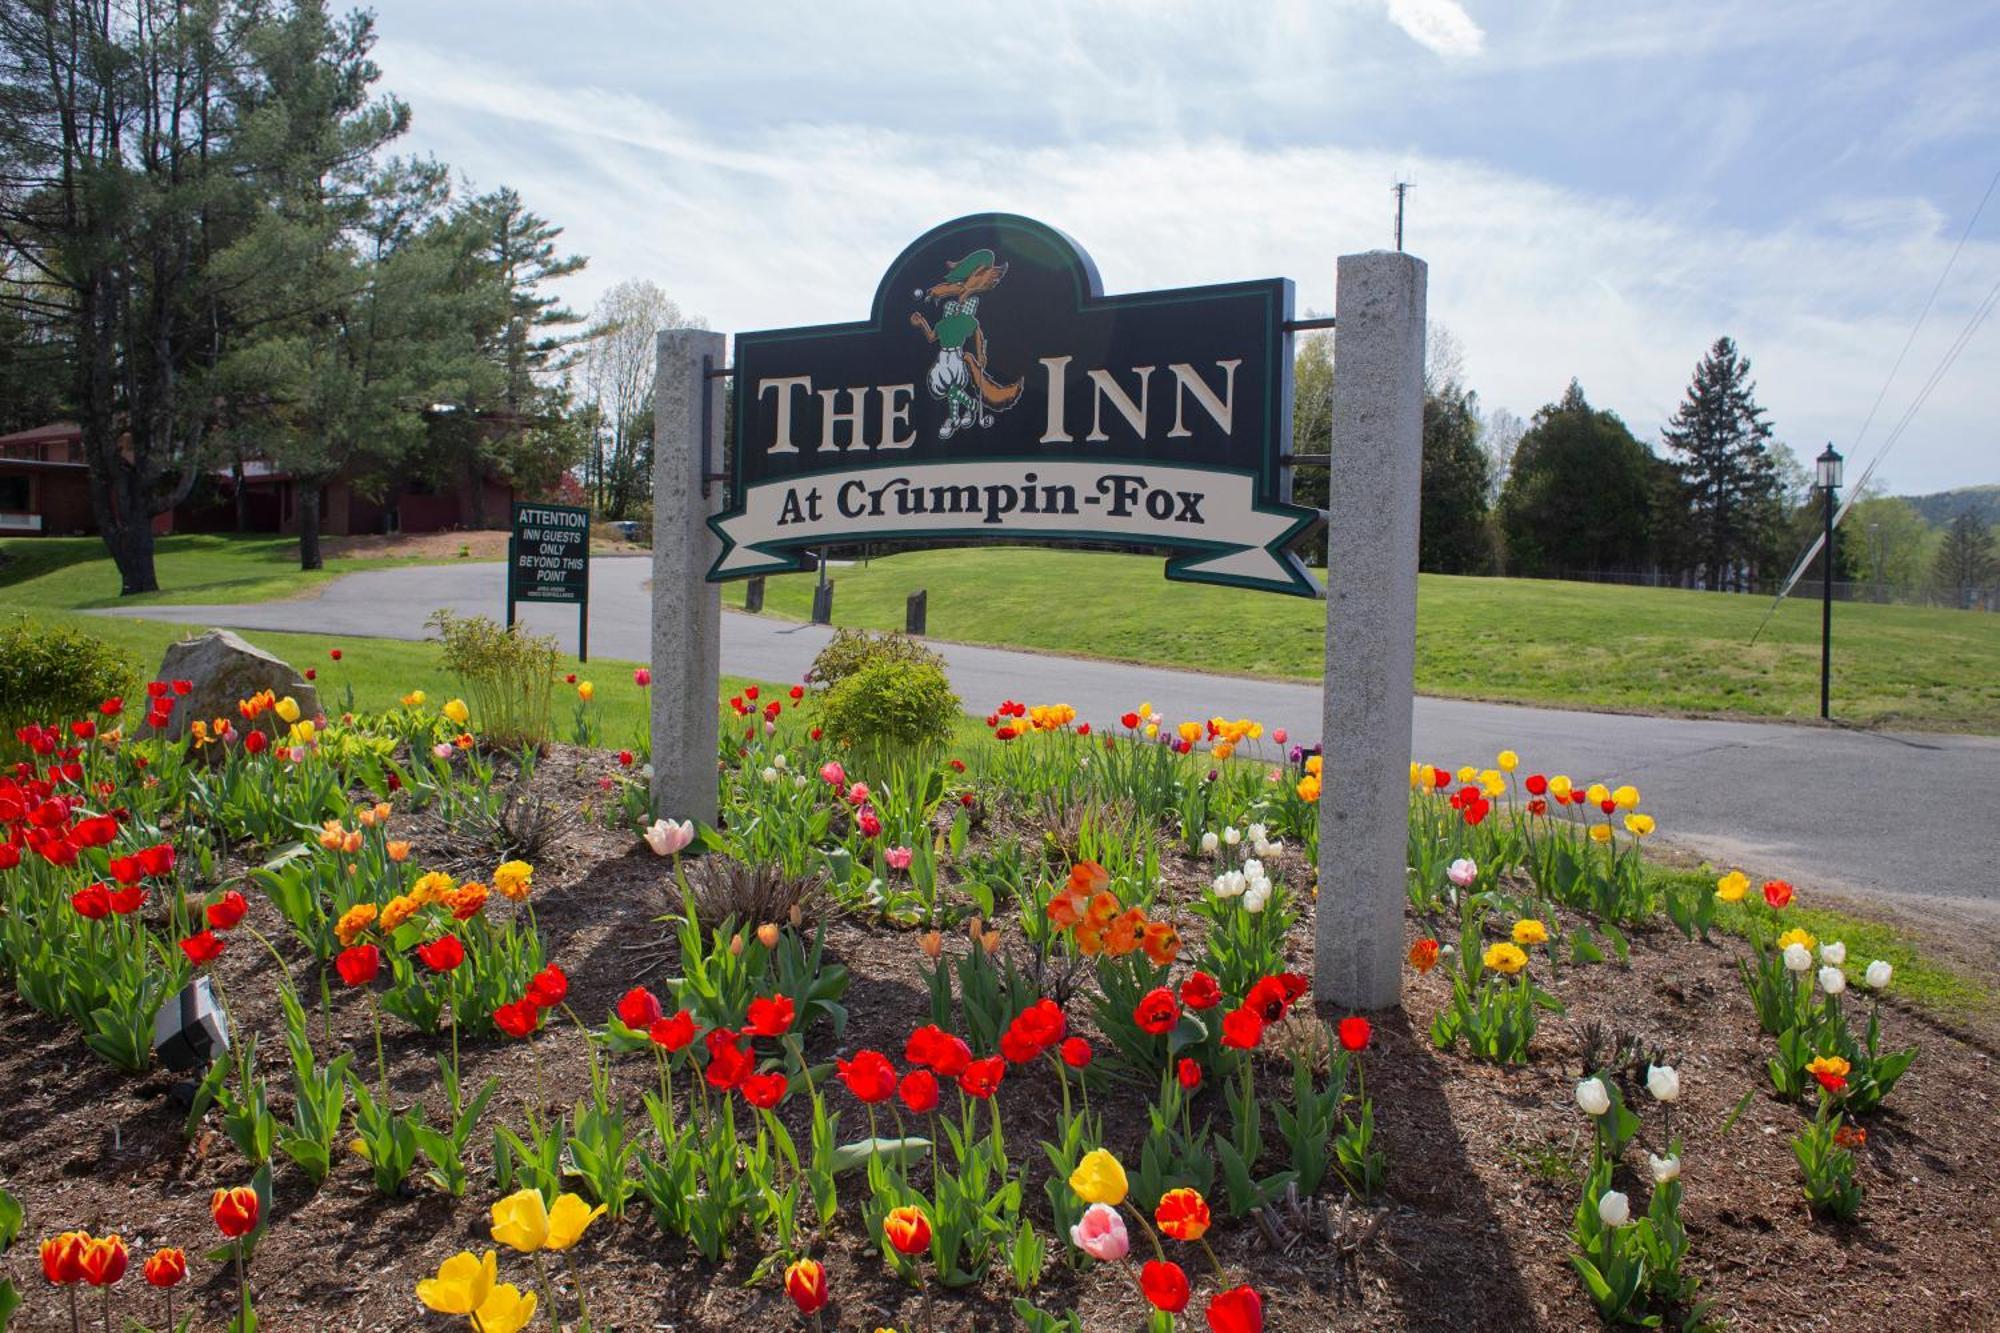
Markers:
point(1829, 481)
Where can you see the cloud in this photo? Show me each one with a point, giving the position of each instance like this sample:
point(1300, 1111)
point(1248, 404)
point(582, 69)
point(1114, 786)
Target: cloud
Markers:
point(767, 225)
point(1441, 25)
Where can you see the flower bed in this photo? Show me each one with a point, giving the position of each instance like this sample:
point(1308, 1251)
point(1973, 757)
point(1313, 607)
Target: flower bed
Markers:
point(1019, 1038)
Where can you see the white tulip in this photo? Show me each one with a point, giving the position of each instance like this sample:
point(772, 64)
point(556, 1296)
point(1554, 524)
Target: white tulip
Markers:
point(1209, 842)
point(1833, 953)
point(769, 774)
point(1798, 958)
point(1832, 980)
point(1257, 895)
point(1665, 1168)
point(1664, 1082)
point(1879, 973)
point(1253, 868)
point(1256, 833)
point(1230, 883)
point(1232, 835)
point(798, 780)
point(1614, 1209)
point(1592, 1098)
point(778, 763)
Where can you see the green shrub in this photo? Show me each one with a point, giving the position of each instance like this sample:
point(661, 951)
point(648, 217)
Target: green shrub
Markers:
point(509, 676)
point(52, 673)
point(852, 649)
point(889, 705)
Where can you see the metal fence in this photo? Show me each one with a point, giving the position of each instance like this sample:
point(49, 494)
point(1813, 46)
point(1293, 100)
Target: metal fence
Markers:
point(1976, 598)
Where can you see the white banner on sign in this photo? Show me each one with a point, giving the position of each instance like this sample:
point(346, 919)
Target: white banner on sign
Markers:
point(1210, 517)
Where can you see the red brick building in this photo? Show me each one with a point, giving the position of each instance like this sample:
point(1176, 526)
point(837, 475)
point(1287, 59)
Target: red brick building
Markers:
point(45, 491)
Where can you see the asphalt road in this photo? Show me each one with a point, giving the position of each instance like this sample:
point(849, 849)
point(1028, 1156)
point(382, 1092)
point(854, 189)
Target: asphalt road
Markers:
point(1859, 812)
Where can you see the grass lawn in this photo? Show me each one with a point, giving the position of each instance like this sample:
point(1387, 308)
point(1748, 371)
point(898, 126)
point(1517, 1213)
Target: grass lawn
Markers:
point(74, 572)
point(1527, 641)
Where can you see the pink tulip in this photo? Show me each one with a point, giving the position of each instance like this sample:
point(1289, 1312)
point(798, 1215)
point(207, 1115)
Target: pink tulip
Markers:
point(1279, 736)
point(1101, 1234)
point(832, 774)
point(666, 837)
point(898, 858)
point(858, 794)
point(642, 678)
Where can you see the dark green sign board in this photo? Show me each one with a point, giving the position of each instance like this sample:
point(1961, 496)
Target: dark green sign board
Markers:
point(995, 393)
point(548, 560)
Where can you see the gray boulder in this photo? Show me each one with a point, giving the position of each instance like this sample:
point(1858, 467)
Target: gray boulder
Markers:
point(225, 671)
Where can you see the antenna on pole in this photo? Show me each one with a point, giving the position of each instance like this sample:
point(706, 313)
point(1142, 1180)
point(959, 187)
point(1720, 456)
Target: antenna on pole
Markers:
point(1400, 189)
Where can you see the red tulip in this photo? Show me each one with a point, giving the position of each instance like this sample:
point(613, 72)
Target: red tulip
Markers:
point(1354, 1033)
point(92, 903)
point(62, 1257)
point(204, 947)
point(518, 1019)
point(104, 1260)
point(639, 1009)
point(1200, 991)
point(1189, 1074)
point(1239, 1310)
point(168, 1267)
point(728, 1064)
point(1273, 996)
point(255, 742)
point(129, 899)
point(235, 1211)
point(805, 1283)
point(919, 1091)
point(869, 1076)
point(157, 860)
point(771, 1016)
point(226, 911)
point(908, 1229)
point(673, 1033)
point(1537, 785)
point(442, 954)
point(1242, 1029)
point(548, 987)
point(982, 1077)
point(1777, 893)
point(1165, 1285)
point(112, 707)
point(1076, 1053)
point(359, 965)
point(1157, 1012)
point(765, 1091)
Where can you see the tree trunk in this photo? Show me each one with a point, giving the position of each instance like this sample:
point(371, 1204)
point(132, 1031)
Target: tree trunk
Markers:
point(309, 556)
point(242, 494)
point(131, 547)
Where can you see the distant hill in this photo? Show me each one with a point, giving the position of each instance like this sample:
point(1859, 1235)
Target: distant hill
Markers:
point(1940, 509)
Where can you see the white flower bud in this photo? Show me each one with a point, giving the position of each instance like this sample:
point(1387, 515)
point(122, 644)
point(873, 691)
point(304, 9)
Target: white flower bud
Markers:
point(1665, 1168)
point(1592, 1098)
point(1209, 842)
point(1832, 980)
point(1253, 869)
point(1833, 953)
point(1257, 833)
point(770, 775)
point(1614, 1209)
point(1798, 958)
point(1664, 1082)
point(1232, 835)
point(1879, 973)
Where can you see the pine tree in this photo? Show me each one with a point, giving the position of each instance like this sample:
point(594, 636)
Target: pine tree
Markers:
point(1452, 538)
point(1965, 560)
point(1728, 477)
point(1579, 495)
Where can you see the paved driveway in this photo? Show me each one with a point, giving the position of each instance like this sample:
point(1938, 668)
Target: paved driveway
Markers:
point(1868, 812)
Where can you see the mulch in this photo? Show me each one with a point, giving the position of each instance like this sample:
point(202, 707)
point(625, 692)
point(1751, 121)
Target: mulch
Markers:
point(1471, 1231)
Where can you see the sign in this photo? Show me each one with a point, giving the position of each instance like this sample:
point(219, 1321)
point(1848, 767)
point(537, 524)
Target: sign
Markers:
point(548, 560)
point(996, 394)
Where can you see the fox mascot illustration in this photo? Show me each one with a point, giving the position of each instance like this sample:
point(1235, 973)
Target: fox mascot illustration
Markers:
point(959, 377)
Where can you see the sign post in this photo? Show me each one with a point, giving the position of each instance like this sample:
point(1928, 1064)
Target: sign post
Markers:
point(548, 560)
point(1373, 481)
point(687, 611)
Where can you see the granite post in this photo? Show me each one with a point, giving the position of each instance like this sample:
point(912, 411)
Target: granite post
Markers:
point(687, 611)
point(1371, 626)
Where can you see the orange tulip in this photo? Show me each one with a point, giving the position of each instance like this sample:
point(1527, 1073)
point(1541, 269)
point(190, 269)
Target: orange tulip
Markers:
point(908, 1229)
point(235, 1211)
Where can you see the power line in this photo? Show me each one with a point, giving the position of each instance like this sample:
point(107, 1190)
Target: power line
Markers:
point(1979, 315)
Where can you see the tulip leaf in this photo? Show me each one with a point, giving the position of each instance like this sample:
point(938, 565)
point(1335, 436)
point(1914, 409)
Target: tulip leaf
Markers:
point(848, 1156)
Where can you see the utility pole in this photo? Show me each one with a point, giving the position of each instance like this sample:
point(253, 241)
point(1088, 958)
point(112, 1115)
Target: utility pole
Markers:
point(1400, 189)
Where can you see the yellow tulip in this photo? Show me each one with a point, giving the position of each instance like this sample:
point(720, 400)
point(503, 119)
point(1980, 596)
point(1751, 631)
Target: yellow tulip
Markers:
point(303, 732)
point(1559, 785)
point(1732, 886)
point(521, 1221)
point(1626, 796)
point(288, 708)
point(462, 1285)
point(506, 1310)
point(1467, 774)
point(514, 879)
point(414, 699)
point(585, 691)
point(1795, 936)
point(1600, 833)
point(1530, 931)
point(1509, 761)
point(456, 710)
point(1597, 793)
point(569, 1219)
point(1416, 773)
point(1639, 825)
point(1099, 1178)
point(1492, 782)
point(1506, 958)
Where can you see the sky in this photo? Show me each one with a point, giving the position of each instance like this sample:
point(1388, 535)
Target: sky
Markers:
point(1602, 187)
